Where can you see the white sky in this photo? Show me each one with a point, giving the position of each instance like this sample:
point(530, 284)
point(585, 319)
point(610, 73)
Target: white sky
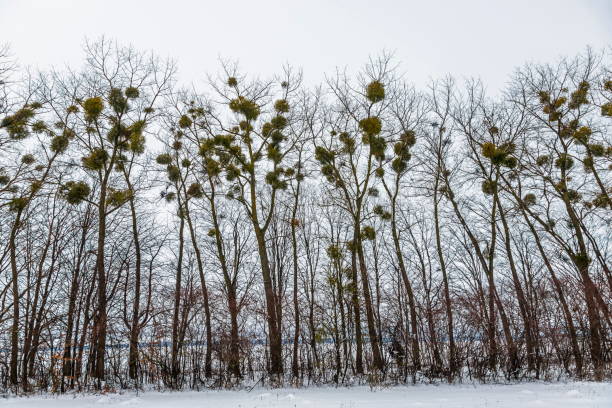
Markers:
point(482, 38)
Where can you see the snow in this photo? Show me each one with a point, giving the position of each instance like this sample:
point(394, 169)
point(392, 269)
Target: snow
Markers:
point(523, 395)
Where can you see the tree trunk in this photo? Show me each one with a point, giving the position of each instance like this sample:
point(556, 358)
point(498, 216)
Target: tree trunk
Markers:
point(374, 342)
point(276, 362)
point(174, 364)
point(100, 320)
point(296, 306)
point(356, 310)
point(14, 363)
point(196, 248)
point(452, 363)
point(523, 306)
point(135, 323)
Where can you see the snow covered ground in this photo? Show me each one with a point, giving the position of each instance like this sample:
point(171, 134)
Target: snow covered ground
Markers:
point(526, 395)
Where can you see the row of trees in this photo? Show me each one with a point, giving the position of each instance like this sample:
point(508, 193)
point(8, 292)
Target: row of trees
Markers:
point(266, 231)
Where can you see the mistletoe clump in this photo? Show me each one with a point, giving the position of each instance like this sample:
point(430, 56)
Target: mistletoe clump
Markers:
point(164, 159)
point(174, 174)
point(273, 178)
point(370, 126)
point(18, 204)
point(348, 142)
point(326, 158)
point(551, 106)
point(95, 160)
point(4, 179)
point(195, 190)
point(59, 144)
point(16, 125)
point(489, 187)
point(74, 192)
point(117, 101)
point(564, 162)
point(137, 142)
point(602, 201)
point(27, 159)
point(281, 106)
point(184, 122)
point(132, 92)
point(375, 91)
point(117, 198)
point(499, 155)
point(93, 107)
point(39, 127)
point(529, 199)
point(279, 122)
point(246, 107)
point(380, 211)
point(368, 233)
point(582, 134)
point(579, 96)
point(402, 151)
point(543, 160)
point(334, 252)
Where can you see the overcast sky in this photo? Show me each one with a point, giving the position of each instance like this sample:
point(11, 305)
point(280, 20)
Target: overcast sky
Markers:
point(430, 38)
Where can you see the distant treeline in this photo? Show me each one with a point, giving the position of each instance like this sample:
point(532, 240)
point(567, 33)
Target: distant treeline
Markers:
point(366, 230)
